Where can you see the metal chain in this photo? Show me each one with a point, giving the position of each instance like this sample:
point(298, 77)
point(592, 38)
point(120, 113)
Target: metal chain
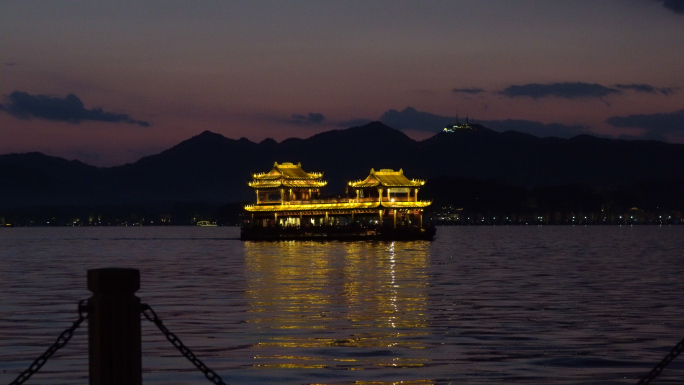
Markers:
point(666, 361)
point(208, 373)
point(62, 340)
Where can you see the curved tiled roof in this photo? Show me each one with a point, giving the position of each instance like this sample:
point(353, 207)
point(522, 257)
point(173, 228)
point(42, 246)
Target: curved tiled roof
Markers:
point(288, 175)
point(387, 178)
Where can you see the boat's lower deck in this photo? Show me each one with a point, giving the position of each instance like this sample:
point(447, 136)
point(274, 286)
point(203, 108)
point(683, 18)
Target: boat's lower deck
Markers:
point(336, 233)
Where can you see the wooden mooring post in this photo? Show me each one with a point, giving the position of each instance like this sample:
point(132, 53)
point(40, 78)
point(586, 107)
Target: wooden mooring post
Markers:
point(114, 349)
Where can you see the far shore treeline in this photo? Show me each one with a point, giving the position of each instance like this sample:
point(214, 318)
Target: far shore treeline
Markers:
point(474, 177)
point(456, 201)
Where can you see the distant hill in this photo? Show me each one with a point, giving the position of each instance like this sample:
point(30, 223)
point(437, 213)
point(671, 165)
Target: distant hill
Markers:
point(212, 169)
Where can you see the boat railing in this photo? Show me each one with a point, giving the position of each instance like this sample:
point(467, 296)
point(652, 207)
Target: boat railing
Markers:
point(319, 201)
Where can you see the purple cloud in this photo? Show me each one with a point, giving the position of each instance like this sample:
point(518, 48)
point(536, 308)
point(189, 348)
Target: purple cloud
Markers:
point(676, 6)
point(646, 88)
point(469, 91)
point(23, 105)
point(567, 90)
point(311, 118)
point(657, 126)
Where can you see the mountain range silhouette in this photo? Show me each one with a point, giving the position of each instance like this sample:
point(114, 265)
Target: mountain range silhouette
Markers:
point(214, 170)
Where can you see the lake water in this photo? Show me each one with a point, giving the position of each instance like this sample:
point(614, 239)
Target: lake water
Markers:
point(479, 305)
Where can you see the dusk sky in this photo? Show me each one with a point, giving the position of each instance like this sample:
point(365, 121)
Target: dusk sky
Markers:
point(110, 82)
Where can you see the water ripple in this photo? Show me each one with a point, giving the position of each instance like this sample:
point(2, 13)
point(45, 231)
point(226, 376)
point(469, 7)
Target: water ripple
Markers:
point(479, 305)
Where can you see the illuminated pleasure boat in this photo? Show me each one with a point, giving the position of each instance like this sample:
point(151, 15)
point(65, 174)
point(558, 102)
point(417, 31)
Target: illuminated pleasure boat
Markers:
point(289, 205)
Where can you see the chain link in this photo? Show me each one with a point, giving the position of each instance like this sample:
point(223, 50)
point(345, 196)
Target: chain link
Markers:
point(62, 340)
point(175, 341)
point(655, 372)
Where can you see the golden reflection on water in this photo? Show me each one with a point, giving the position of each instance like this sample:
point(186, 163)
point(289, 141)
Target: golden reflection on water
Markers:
point(338, 305)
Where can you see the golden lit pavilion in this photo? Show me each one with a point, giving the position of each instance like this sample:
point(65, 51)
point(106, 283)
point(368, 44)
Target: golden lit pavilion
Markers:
point(290, 198)
point(388, 185)
point(287, 182)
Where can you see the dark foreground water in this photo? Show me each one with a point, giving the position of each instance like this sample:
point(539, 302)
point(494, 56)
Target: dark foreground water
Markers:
point(479, 305)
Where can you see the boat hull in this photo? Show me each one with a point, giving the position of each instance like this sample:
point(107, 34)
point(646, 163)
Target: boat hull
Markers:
point(336, 234)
